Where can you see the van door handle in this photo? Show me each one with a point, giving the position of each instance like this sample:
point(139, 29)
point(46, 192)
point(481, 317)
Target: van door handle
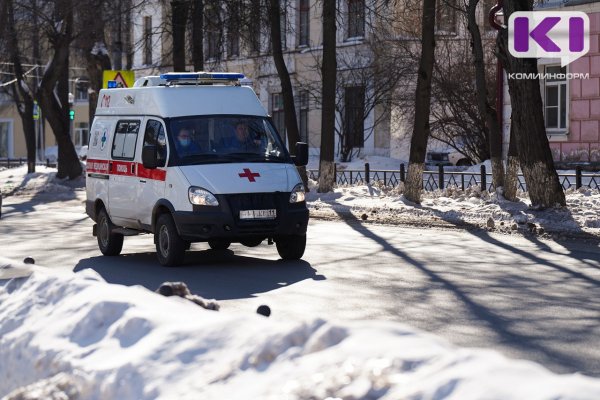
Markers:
point(143, 180)
point(110, 166)
point(132, 169)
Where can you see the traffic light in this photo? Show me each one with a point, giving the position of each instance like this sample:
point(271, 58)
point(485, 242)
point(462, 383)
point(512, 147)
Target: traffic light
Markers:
point(72, 115)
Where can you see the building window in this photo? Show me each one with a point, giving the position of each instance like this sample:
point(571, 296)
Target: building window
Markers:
point(555, 98)
point(254, 29)
point(233, 42)
point(5, 139)
point(354, 107)
point(356, 18)
point(213, 38)
point(303, 22)
point(147, 40)
point(81, 89)
point(445, 16)
point(278, 114)
point(303, 120)
point(81, 134)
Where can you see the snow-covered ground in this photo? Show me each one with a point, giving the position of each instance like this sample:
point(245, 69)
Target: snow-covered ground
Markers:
point(74, 336)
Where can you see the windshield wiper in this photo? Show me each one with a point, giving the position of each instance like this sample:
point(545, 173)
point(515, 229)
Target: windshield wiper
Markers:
point(255, 157)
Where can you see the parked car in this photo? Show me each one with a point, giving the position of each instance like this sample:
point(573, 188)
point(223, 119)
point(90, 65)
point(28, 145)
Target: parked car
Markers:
point(447, 158)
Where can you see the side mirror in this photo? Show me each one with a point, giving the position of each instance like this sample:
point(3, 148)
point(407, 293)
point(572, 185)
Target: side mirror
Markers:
point(149, 159)
point(301, 158)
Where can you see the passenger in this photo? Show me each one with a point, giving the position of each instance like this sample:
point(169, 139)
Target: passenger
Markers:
point(242, 140)
point(184, 144)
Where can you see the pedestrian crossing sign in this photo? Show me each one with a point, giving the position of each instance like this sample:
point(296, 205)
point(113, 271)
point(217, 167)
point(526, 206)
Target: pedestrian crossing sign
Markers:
point(123, 78)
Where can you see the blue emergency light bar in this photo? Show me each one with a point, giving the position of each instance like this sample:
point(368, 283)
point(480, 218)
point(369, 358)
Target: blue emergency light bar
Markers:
point(204, 76)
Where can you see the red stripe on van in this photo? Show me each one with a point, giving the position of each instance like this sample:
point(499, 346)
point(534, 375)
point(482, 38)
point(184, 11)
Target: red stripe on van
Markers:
point(156, 174)
point(125, 168)
point(98, 166)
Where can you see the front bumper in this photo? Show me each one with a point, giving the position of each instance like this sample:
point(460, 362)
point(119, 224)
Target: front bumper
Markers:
point(223, 222)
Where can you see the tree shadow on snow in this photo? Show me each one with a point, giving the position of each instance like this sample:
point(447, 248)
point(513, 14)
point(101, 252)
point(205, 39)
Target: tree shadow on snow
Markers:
point(518, 319)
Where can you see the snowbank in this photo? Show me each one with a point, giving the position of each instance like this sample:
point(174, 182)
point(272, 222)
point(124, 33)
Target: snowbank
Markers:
point(452, 207)
point(17, 181)
point(76, 336)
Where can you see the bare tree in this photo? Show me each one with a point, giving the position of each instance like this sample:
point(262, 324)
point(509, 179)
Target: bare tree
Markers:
point(198, 35)
point(179, 19)
point(328, 79)
point(418, 145)
point(486, 111)
point(21, 87)
point(55, 105)
point(530, 132)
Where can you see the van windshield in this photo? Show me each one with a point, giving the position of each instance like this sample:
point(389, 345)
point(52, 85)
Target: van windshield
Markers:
point(225, 138)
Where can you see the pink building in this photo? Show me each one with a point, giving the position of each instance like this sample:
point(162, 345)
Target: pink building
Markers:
point(571, 106)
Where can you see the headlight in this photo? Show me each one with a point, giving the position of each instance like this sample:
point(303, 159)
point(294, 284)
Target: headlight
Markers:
point(298, 194)
point(202, 197)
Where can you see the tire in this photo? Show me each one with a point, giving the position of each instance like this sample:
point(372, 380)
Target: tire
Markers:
point(463, 162)
point(219, 244)
point(170, 248)
point(252, 242)
point(109, 243)
point(291, 247)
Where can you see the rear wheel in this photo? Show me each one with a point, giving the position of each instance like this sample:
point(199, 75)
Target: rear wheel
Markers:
point(110, 243)
point(219, 244)
point(291, 247)
point(170, 248)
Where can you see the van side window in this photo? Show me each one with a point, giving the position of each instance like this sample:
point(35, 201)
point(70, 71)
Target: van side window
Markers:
point(125, 140)
point(155, 135)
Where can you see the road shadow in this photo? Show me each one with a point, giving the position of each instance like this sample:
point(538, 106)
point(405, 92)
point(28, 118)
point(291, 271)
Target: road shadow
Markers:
point(218, 274)
point(523, 300)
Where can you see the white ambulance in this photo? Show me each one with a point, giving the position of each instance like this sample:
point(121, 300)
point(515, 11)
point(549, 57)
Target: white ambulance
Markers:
point(192, 157)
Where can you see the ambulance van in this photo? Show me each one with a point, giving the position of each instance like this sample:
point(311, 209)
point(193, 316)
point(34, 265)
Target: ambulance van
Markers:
point(192, 157)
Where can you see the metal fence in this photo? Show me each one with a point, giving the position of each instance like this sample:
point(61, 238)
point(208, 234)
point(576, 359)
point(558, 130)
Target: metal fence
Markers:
point(17, 162)
point(444, 178)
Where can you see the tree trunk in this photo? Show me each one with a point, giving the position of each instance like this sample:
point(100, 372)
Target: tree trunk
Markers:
point(291, 121)
point(96, 55)
point(486, 111)
point(534, 149)
point(22, 94)
point(418, 143)
point(328, 79)
point(512, 168)
point(56, 108)
point(179, 12)
point(198, 35)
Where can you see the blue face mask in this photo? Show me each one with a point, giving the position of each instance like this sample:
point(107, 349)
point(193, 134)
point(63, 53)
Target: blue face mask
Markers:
point(184, 142)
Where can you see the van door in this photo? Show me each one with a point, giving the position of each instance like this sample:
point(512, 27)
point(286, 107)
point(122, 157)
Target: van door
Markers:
point(151, 182)
point(123, 179)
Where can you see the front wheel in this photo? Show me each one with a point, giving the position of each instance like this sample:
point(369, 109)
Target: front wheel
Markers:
point(218, 244)
point(170, 248)
point(110, 243)
point(291, 247)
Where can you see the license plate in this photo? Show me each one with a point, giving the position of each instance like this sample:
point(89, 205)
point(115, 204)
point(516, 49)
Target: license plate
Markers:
point(258, 214)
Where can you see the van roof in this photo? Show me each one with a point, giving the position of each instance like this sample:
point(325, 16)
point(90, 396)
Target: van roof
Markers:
point(178, 101)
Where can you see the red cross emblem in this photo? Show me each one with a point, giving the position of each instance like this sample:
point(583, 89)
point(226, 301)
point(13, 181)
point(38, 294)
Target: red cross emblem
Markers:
point(249, 174)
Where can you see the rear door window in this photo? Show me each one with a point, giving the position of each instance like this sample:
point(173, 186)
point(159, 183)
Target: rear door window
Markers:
point(125, 139)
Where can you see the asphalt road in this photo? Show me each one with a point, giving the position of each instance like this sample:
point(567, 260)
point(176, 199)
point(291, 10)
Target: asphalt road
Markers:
point(527, 298)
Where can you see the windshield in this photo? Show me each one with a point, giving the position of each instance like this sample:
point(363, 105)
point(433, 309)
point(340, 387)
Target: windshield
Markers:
point(219, 138)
